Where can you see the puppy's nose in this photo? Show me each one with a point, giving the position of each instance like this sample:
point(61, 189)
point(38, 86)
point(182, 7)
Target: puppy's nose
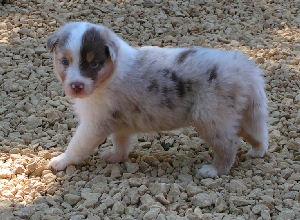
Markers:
point(77, 87)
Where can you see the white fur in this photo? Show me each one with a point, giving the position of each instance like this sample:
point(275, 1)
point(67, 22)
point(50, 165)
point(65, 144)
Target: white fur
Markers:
point(220, 93)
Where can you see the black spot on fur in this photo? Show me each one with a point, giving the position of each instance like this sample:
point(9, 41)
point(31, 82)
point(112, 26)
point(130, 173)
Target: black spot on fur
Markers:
point(165, 72)
point(169, 104)
point(183, 55)
point(153, 86)
point(231, 101)
point(92, 43)
point(212, 74)
point(189, 85)
point(116, 115)
point(180, 85)
point(166, 90)
point(174, 77)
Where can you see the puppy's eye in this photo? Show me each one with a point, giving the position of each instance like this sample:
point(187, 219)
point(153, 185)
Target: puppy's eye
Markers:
point(65, 61)
point(94, 65)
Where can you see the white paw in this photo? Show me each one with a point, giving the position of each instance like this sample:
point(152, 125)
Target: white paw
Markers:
point(208, 171)
point(256, 152)
point(60, 162)
point(112, 156)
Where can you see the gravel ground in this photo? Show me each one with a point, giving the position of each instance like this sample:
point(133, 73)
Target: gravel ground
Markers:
point(159, 181)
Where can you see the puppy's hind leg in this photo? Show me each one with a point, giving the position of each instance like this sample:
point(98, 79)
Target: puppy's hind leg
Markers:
point(224, 149)
point(224, 144)
point(121, 149)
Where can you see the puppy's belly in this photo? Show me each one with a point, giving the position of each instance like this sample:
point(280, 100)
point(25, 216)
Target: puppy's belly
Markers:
point(150, 122)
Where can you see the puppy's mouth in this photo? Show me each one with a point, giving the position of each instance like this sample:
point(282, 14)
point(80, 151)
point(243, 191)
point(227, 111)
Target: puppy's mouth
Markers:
point(80, 95)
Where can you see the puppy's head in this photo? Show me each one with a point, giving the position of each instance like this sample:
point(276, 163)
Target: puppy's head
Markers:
point(84, 56)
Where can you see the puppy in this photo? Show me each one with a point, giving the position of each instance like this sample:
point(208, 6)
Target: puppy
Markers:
point(121, 90)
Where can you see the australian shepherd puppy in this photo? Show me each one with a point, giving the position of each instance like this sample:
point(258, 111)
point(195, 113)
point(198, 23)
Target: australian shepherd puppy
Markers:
point(120, 90)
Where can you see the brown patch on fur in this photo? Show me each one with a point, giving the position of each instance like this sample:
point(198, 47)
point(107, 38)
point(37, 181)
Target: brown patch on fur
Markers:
point(105, 73)
point(90, 56)
point(68, 55)
point(59, 67)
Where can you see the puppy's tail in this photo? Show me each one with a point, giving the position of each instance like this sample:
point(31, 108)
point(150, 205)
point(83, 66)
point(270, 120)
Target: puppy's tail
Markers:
point(254, 124)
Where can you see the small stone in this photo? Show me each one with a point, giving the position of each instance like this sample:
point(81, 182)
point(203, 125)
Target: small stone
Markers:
point(220, 205)
point(161, 217)
point(147, 200)
point(156, 188)
point(160, 197)
point(260, 60)
point(33, 122)
point(131, 167)
point(258, 208)
point(237, 186)
point(40, 50)
point(19, 169)
point(275, 134)
point(71, 199)
point(5, 174)
point(145, 144)
point(49, 177)
point(118, 208)
point(297, 98)
point(134, 182)
point(70, 170)
point(77, 217)
point(115, 171)
point(91, 202)
point(193, 190)
point(198, 212)
point(268, 200)
point(239, 201)
point(39, 170)
point(151, 214)
point(148, 3)
point(295, 176)
point(202, 200)
point(265, 214)
point(286, 214)
point(15, 151)
point(186, 178)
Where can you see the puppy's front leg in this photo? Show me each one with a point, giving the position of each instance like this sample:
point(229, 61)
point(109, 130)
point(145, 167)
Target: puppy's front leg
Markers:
point(121, 150)
point(86, 138)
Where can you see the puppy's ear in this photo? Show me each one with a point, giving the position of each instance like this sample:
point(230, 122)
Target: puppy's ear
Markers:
point(52, 42)
point(112, 50)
